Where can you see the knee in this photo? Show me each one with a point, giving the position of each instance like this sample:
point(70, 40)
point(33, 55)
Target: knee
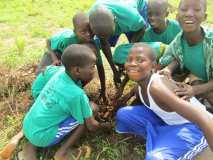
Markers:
point(155, 156)
point(123, 114)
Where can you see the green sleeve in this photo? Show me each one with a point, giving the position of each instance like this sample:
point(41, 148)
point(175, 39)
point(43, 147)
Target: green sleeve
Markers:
point(133, 20)
point(80, 108)
point(168, 56)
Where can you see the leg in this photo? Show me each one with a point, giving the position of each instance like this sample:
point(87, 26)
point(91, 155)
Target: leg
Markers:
point(137, 120)
point(63, 152)
point(175, 142)
point(28, 152)
point(8, 150)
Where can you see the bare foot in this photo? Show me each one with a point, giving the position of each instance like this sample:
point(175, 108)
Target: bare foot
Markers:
point(74, 154)
point(8, 150)
point(28, 152)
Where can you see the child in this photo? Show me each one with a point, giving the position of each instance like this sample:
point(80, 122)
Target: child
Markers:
point(41, 79)
point(57, 43)
point(161, 29)
point(82, 35)
point(164, 118)
point(192, 50)
point(109, 19)
point(62, 108)
point(119, 58)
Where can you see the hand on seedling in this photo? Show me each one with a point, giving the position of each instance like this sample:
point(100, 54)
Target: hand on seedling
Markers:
point(56, 62)
point(106, 127)
point(185, 91)
point(103, 96)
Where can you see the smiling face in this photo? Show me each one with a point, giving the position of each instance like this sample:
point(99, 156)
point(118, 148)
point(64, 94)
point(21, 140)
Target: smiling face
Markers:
point(139, 63)
point(84, 33)
point(191, 14)
point(157, 13)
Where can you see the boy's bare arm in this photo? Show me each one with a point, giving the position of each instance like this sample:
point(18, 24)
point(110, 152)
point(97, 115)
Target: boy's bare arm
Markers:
point(137, 35)
point(52, 54)
point(101, 75)
point(194, 90)
point(166, 98)
point(94, 125)
point(107, 52)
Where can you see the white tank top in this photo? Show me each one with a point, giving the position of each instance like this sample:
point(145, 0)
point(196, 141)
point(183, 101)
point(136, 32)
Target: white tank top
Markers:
point(171, 118)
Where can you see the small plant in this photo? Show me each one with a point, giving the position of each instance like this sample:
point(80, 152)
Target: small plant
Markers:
point(20, 45)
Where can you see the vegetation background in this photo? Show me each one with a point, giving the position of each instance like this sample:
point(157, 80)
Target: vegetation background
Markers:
point(24, 26)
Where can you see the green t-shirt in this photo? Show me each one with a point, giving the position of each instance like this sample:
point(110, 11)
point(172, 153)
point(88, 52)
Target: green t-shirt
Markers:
point(121, 52)
point(41, 80)
point(60, 98)
point(127, 16)
point(166, 37)
point(63, 39)
point(194, 60)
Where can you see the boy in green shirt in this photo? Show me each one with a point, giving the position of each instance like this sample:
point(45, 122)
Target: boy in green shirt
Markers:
point(58, 42)
point(42, 79)
point(192, 49)
point(81, 35)
point(161, 29)
point(109, 19)
point(62, 107)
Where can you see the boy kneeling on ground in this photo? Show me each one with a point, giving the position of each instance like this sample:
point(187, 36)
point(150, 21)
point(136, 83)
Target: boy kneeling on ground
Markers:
point(63, 108)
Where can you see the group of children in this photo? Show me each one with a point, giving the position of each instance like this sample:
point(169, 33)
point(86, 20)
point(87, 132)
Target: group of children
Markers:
point(169, 116)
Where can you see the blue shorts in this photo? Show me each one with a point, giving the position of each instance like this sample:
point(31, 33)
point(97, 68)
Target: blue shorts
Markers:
point(65, 127)
point(163, 142)
point(143, 12)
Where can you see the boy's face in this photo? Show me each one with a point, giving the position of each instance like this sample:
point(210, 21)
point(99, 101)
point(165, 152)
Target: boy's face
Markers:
point(156, 16)
point(87, 73)
point(84, 33)
point(138, 64)
point(191, 14)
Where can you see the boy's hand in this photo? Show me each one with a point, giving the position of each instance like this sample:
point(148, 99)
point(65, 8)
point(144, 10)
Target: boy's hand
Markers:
point(106, 127)
point(185, 92)
point(166, 72)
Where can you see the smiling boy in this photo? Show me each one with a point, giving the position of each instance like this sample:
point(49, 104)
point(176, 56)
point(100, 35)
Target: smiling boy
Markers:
point(192, 49)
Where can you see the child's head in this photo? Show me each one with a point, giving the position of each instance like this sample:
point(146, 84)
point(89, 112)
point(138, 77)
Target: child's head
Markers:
point(102, 22)
point(79, 62)
point(191, 13)
point(157, 13)
point(140, 62)
point(82, 28)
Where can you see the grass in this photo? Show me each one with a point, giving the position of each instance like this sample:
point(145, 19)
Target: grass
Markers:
point(25, 24)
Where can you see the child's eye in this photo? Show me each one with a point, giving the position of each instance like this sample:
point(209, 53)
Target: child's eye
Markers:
point(183, 9)
point(139, 60)
point(197, 9)
point(129, 60)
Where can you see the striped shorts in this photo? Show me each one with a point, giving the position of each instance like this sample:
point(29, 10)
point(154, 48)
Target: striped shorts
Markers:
point(65, 127)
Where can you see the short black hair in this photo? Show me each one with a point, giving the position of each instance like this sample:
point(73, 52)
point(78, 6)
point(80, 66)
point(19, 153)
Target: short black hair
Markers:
point(102, 21)
point(80, 19)
point(204, 3)
point(163, 4)
point(152, 56)
point(77, 55)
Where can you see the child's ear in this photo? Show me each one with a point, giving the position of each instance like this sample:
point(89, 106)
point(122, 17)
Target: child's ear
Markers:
point(154, 67)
